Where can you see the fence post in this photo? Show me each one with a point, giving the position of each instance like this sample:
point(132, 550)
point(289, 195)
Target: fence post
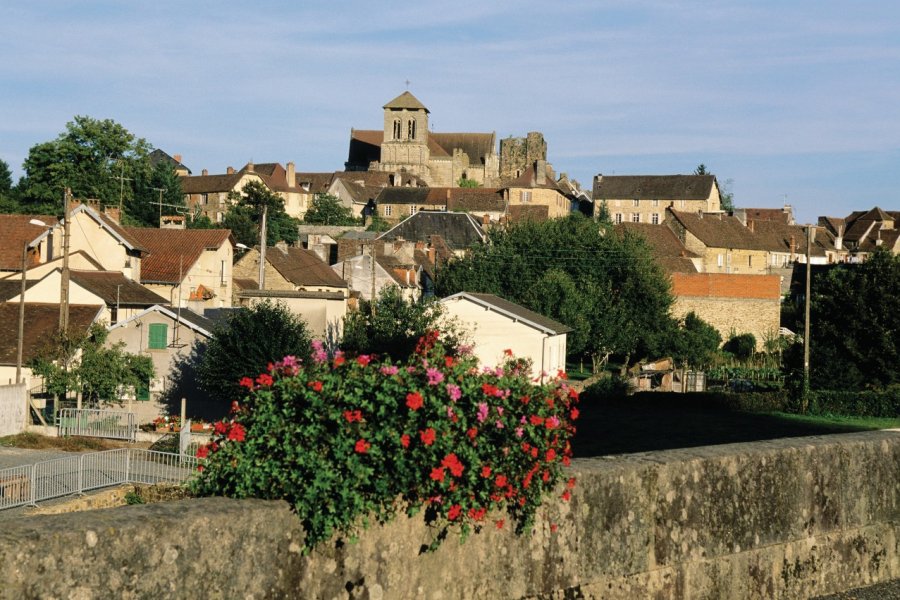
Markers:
point(81, 475)
point(127, 465)
point(33, 485)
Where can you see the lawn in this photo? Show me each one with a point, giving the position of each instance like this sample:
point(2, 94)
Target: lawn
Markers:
point(624, 426)
point(35, 441)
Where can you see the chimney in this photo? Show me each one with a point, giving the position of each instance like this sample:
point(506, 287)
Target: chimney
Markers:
point(229, 171)
point(752, 226)
point(250, 167)
point(420, 245)
point(282, 245)
point(204, 172)
point(432, 254)
point(485, 219)
point(839, 238)
point(540, 172)
point(177, 158)
point(793, 247)
point(291, 174)
point(114, 214)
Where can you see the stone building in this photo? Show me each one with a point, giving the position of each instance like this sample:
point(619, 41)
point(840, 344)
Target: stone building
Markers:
point(645, 198)
point(517, 154)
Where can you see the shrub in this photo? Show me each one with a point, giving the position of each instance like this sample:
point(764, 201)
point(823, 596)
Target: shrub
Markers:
point(341, 439)
point(870, 403)
point(741, 346)
point(607, 388)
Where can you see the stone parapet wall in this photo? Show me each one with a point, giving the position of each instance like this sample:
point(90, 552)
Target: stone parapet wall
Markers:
point(780, 519)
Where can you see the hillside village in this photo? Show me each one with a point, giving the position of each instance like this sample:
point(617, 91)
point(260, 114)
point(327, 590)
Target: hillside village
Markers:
point(434, 197)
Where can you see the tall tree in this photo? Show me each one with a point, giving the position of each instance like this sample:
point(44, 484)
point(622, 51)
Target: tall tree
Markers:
point(726, 196)
point(328, 210)
point(245, 217)
point(152, 186)
point(95, 158)
point(8, 203)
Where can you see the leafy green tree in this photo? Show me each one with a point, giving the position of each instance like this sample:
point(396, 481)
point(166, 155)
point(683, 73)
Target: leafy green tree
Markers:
point(696, 342)
point(244, 344)
point(8, 201)
point(152, 186)
point(467, 183)
point(726, 196)
point(378, 224)
point(91, 157)
point(701, 170)
point(741, 346)
point(87, 363)
point(202, 221)
point(547, 266)
point(245, 216)
point(392, 325)
point(603, 214)
point(328, 210)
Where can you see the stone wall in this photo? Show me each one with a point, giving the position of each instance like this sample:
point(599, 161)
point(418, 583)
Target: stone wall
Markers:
point(779, 519)
point(12, 409)
point(759, 316)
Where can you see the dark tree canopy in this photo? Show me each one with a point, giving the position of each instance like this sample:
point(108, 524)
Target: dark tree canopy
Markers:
point(328, 210)
point(152, 186)
point(244, 218)
point(695, 342)
point(577, 271)
point(246, 343)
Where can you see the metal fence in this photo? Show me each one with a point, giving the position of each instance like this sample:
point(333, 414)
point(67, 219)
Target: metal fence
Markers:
point(115, 424)
point(90, 471)
point(184, 437)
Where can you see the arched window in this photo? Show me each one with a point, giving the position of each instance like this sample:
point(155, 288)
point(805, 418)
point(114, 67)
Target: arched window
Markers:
point(412, 129)
point(396, 129)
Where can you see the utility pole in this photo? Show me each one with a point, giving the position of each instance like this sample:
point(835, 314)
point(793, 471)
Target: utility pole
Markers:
point(122, 179)
point(64, 284)
point(21, 315)
point(161, 191)
point(372, 254)
point(810, 234)
point(262, 248)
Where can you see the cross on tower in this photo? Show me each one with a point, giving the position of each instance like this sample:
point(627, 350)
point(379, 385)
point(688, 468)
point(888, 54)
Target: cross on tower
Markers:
point(407, 84)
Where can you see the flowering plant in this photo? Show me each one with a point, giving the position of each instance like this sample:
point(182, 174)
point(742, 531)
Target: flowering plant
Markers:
point(342, 438)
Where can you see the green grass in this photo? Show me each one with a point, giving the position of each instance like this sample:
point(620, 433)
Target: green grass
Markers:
point(626, 426)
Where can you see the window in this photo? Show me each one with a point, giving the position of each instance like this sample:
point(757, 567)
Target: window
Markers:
point(388, 210)
point(158, 335)
point(635, 217)
point(749, 261)
point(396, 129)
point(656, 202)
point(411, 129)
point(637, 202)
point(618, 218)
point(204, 199)
point(654, 218)
point(412, 210)
point(720, 261)
point(525, 196)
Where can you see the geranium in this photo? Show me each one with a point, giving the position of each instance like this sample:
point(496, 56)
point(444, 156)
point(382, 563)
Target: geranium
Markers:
point(414, 400)
point(315, 385)
point(485, 471)
point(482, 412)
point(427, 436)
point(389, 370)
point(437, 474)
point(451, 461)
point(362, 446)
point(434, 376)
point(264, 380)
point(404, 440)
point(319, 355)
point(454, 392)
point(454, 511)
point(220, 428)
point(203, 451)
point(353, 416)
point(363, 359)
point(236, 433)
point(246, 382)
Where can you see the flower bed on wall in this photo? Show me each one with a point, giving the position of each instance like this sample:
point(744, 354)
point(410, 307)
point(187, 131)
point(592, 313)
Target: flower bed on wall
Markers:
point(343, 439)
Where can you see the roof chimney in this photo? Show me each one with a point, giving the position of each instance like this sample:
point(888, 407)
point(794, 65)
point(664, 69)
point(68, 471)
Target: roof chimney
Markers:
point(793, 247)
point(291, 174)
point(540, 172)
point(839, 238)
point(752, 226)
point(204, 172)
point(250, 167)
point(177, 158)
point(229, 171)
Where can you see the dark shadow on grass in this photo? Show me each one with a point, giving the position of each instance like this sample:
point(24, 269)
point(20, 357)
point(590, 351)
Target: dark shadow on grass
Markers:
point(664, 423)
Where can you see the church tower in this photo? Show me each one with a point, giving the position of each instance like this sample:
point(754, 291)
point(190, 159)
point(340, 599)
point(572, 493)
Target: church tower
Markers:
point(404, 147)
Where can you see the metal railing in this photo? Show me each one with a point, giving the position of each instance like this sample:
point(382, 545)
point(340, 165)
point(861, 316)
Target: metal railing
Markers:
point(184, 437)
point(27, 485)
point(114, 424)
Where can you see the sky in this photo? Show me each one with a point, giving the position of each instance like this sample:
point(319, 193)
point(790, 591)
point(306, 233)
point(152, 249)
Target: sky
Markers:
point(785, 102)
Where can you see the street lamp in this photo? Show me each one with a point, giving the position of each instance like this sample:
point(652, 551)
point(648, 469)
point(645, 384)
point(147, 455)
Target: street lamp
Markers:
point(25, 247)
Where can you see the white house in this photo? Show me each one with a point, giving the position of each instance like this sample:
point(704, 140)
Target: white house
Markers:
point(496, 325)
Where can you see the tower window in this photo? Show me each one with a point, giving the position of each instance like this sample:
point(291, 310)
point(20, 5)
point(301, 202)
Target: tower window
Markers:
point(396, 129)
point(411, 129)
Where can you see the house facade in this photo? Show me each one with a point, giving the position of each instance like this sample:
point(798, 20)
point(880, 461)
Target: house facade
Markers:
point(645, 198)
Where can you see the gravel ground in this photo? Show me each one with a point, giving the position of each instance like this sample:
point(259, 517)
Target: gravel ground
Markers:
point(16, 457)
point(882, 591)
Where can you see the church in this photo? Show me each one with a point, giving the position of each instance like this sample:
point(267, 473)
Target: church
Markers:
point(416, 156)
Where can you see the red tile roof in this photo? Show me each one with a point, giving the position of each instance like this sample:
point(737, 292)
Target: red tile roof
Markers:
point(15, 232)
point(41, 325)
point(174, 251)
point(722, 285)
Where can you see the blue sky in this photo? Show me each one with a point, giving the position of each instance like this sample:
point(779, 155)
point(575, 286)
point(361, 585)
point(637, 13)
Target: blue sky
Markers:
point(791, 102)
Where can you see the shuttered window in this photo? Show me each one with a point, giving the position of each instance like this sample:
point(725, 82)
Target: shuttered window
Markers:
point(158, 335)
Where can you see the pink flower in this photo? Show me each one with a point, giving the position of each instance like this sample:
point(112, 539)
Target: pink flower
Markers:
point(290, 361)
point(450, 412)
point(482, 412)
point(552, 422)
point(434, 376)
point(363, 359)
point(454, 391)
point(519, 432)
point(319, 355)
point(499, 424)
point(389, 370)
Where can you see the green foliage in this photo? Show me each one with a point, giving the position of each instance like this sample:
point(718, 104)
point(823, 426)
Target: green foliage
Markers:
point(85, 362)
point(726, 196)
point(467, 183)
point(869, 403)
point(741, 346)
point(90, 157)
point(605, 286)
point(603, 215)
point(701, 170)
point(343, 440)
point(328, 210)
point(245, 343)
point(377, 223)
point(391, 325)
point(202, 221)
point(695, 342)
point(133, 497)
point(610, 387)
point(6, 182)
point(244, 219)
point(142, 208)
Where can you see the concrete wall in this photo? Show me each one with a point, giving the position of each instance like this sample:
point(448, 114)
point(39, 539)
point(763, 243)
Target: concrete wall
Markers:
point(780, 519)
point(12, 408)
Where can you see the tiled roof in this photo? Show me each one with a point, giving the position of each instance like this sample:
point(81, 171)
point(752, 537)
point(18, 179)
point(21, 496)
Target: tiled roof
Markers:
point(775, 236)
point(210, 184)
point(291, 294)
point(318, 183)
point(369, 178)
point(475, 145)
point(302, 267)
point(41, 325)
point(667, 249)
point(111, 225)
point(514, 311)
point(654, 187)
point(406, 100)
point(718, 230)
point(528, 212)
point(768, 214)
point(528, 179)
point(10, 288)
point(159, 156)
point(15, 232)
point(365, 147)
point(115, 288)
point(174, 251)
point(186, 316)
point(459, 230)
point(722, 285)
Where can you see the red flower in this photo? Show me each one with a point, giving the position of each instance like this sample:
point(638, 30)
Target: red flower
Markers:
point(427, 436)
point(363, 359)
point(500, 481)
point(488, 389)
point(573, 393)
point(553, 527)
point(362, 446)
point(454, 511)
point(472, 432)
point(203, 451)
point(545, 476)
point(315, 385)
point(507, 352)
point(437, 474)
point(264, 380)
point(573, 414)
point(566, 461)
point(353, 416)
point(404, 440)
point(451, 461)
point(566, 495)
point(339, 360)
point(485, 471)
point(414, 400)
point(534, 452)
point(448, 361)
point(235, 407)
point(477, 514)
point(525, 399)
point(236, 433)
point(551, 455)
point(570, 483)
point(536, 420)
point(499, 523)
point(246, 382)
point(220, 428)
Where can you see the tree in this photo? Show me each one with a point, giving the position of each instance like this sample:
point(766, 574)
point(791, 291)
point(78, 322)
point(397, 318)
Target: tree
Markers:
point(328, 210)
point(245, 217)
point(464, 182)
point(85, 363)
point(605, 286)
point(92, 157)
point(246, 343)
point(726, 196)
point(696, 341)
point(8, 202)
point(741, 346)
point(392, 325)
point(152, 186)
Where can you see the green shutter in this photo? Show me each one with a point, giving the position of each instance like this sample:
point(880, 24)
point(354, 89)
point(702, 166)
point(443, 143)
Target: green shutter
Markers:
point(158, 336)
point(143, 391)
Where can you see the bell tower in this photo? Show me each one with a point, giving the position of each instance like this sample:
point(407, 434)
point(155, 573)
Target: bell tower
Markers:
point(405, 143)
